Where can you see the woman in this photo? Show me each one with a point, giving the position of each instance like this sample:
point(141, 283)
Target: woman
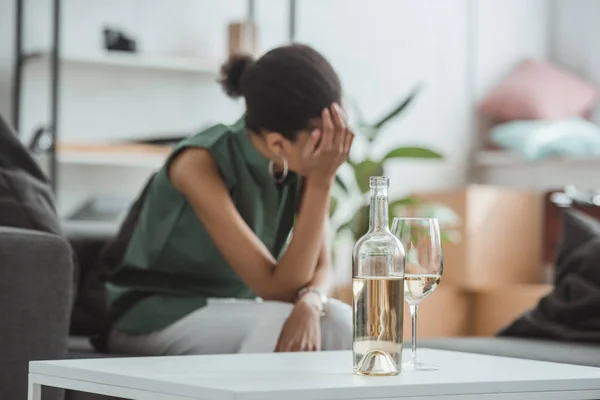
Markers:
point(207, 269)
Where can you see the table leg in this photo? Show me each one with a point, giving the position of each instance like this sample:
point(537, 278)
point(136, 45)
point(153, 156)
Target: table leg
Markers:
point(35, 390)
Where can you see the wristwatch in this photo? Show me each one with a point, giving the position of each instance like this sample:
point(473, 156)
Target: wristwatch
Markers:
point(316, 291)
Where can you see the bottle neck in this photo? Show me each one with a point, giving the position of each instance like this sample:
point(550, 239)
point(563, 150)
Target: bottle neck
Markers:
point(379, 209)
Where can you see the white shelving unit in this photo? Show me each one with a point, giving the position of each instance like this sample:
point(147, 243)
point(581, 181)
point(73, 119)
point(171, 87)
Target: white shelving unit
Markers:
point(506, 169)
point(135, 60)
point(204, 67)
point(491, 159)
point(111, 159)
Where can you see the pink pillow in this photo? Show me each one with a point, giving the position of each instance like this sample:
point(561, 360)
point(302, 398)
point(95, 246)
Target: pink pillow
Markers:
point(538, 90)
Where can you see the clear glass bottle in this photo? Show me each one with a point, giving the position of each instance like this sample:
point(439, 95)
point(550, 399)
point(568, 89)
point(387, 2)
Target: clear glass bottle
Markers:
point(378, 291)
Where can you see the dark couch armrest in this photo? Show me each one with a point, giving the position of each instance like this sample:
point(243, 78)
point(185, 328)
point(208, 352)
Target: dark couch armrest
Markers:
point(87, 241)
point(36, 290)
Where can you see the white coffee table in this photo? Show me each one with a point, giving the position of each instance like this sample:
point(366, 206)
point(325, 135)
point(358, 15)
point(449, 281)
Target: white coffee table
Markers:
point(306, 376)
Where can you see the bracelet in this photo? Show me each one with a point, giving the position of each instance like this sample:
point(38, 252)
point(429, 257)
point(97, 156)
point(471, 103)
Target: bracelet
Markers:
point(316, 291)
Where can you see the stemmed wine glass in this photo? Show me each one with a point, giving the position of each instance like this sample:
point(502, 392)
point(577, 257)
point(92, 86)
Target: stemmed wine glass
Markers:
point(423, 271)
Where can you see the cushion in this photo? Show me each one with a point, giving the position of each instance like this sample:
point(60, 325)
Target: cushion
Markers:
point(577, 232)
point(570, 311)
point(26, 198)
point(540, 350)
point(539, 90)
point(537, 140)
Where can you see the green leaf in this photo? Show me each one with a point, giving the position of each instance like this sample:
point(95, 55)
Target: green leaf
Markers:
point(413, 152)
point(405, 202)
point(358, 225)
point(450, 236)
point(333, 202)
point(364, 170)
point(405, 103)
point(345, 226)
point(444, 214)
point(341, 184)
point(370, 132)
point(360, 222)
point(398, 206)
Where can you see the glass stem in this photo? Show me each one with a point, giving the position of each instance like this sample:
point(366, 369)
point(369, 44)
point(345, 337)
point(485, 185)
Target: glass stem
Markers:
point(413, 316)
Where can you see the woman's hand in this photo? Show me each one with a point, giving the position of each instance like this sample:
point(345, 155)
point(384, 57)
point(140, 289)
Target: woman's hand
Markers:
point(325, 157)
point(302, 329)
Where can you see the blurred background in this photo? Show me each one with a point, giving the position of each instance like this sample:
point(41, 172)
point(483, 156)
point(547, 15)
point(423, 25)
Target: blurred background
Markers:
point(499, 123)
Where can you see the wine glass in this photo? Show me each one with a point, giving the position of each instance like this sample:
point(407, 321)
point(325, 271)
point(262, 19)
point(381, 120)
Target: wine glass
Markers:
point(423, 271)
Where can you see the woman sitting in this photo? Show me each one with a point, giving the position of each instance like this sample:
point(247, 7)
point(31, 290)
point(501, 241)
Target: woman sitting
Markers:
point(209, 268)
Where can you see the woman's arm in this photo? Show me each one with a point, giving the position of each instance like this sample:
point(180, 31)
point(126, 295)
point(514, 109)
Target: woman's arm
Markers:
point(195, 174)
point(323, 277)
point(301, 331)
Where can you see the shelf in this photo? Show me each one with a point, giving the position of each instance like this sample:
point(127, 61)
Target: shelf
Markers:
point(491, 159)
point(136, 61)
point(112, 159)
point(141, 156)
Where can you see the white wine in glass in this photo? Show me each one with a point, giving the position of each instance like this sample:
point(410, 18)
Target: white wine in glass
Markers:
point(418, 286)
point(421, 240)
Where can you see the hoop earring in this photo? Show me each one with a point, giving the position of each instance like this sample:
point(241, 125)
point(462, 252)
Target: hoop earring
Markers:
point(283, 175)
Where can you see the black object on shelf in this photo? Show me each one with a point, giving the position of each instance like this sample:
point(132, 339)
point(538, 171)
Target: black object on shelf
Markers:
point(41, 142)
point(115, 40)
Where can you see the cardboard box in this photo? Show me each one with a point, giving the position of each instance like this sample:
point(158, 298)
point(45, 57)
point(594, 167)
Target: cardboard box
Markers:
point(445, 313)
point(500, 233)
point(494, 309)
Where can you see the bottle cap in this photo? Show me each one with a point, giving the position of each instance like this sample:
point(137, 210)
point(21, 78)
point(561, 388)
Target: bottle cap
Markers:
point(379, 182)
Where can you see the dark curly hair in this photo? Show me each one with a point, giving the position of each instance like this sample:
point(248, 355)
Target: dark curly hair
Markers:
point(284, 89)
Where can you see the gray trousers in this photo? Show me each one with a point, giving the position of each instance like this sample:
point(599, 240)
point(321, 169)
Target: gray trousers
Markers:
point(227, 326)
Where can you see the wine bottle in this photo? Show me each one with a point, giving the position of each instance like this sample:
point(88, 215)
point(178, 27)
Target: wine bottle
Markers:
point(378, 291)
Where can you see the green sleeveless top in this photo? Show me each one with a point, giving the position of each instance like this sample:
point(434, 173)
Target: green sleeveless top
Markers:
point(171, 265)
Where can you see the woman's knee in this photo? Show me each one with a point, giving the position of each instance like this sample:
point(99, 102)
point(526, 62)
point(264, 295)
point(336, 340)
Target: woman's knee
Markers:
point(336, 326)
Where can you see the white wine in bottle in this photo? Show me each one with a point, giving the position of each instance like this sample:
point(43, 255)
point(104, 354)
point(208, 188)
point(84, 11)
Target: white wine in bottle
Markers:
point(378, 291)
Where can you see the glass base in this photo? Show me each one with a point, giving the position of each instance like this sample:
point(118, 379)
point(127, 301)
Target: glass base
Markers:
point(409, 366)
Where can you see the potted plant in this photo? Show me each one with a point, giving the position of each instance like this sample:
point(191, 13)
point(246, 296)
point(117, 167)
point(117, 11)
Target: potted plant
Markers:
point(355, 195)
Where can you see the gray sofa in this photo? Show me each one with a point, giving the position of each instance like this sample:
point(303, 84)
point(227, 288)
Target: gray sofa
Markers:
point(36, 298)
point(36, 292)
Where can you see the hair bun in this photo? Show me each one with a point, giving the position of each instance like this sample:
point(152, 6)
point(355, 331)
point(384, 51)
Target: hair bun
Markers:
point(232, 72)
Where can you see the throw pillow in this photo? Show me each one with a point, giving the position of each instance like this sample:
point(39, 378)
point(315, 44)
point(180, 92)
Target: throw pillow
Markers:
point(577, 233)
point(539, 90)
point(570, 311)
point(536, 140)
point(26, 199)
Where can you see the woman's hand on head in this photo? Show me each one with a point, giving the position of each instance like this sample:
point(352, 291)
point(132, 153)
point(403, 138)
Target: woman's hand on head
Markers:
point(329, 147)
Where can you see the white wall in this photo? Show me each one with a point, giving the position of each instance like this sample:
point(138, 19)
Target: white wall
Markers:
point(6, 53)
point(507, 32)
point(456, 49)
point(573, 45)
point(382, 49)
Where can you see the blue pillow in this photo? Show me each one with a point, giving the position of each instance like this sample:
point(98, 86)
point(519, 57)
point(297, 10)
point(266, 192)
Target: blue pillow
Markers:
point(536, 140)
